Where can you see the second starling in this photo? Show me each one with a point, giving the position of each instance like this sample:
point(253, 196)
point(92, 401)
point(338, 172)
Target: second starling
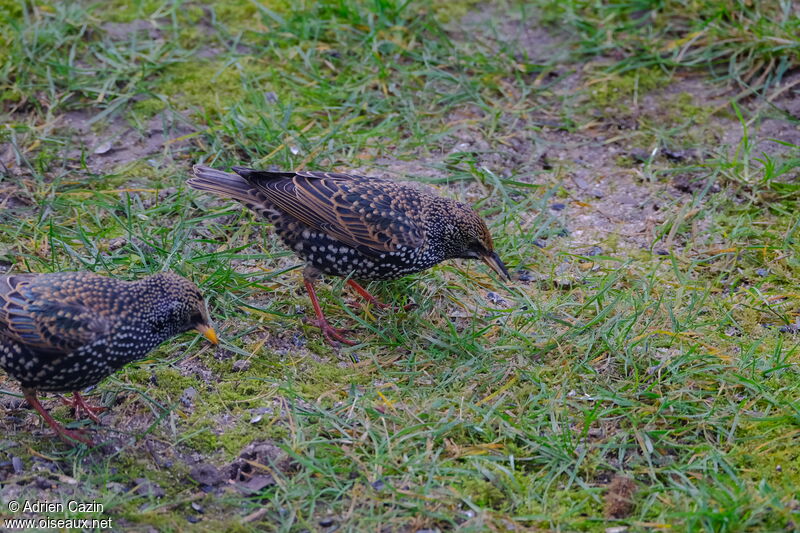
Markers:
point(67, 331)
point(354, 226)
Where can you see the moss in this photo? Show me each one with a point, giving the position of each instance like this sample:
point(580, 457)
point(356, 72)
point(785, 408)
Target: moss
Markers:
point(318, 378)
point(237, 438)
point(616, 91)
point(10, 12)
point(148, 108)
point(191, 14)
point(139, 170)
point(483, 493)
point(624, 161)
point(773, 460)
point(171, 383)
point(683, 107)
point(189, 37)
point(208, 86)
point(453, 11)
point(125, 11)
point(239, 15)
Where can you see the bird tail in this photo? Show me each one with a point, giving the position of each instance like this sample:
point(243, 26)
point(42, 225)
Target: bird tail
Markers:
point(220, 183)
point(228, 185)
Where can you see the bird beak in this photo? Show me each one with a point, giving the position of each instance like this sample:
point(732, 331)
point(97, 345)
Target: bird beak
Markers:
point(209, 333)
point(494, 262)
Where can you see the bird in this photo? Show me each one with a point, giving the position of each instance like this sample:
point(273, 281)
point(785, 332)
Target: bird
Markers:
point(63, 332)
point(355, 227)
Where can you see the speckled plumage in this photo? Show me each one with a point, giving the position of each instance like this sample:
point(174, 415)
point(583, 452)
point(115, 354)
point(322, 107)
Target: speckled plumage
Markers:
point(66, 331)
point(346, 225)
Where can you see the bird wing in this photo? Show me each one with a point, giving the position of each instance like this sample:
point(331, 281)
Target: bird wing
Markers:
point(364, 213)
point(46, 325)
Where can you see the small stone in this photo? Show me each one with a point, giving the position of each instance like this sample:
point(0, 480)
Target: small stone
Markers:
point(206, 474)
point(103, 148)
point(662, 251)
point(16, 463)
point(558, 207)
point(197, 507)
point(188, 396)
point(593, 251)
point(115, 487)
point(117, 243)
point(495, 298)
point(241, 365)
point(257, 483)
point(44, 483)
point(145, 487)
point(540, 243)
point(192, 519)
point(524, 275)
point(326, 522)
point(763, 272)
point(640, 155)
point(378, 484)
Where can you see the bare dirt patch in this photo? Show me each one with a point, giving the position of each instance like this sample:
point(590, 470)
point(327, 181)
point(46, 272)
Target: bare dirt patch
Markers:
point(117, 143)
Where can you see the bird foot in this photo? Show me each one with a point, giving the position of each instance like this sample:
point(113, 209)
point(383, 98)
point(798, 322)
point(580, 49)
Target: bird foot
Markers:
point(70, 436)
point(67, 435)
point(331, 334)
point(369, 297)
point(78, 403)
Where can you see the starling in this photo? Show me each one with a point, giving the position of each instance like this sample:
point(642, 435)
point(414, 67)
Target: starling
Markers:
point(67, 331)
point(355, 226)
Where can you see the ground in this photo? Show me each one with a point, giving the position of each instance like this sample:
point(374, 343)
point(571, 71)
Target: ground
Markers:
point(637, 164)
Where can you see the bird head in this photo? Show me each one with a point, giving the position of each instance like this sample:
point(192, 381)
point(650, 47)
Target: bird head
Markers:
point(473, 241)
point(180, 307)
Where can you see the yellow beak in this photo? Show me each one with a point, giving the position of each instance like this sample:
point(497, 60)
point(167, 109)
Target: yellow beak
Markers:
point(209, 333)
point(494, 262)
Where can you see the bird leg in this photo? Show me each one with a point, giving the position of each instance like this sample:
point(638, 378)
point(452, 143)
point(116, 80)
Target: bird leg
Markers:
point(65, 434)
point(368, 296)
point(77, 403)
point(330, 333)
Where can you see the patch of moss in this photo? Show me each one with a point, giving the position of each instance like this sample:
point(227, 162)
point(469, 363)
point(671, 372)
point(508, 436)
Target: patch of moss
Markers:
point(233, 440)
point(772, 460)
point(683, 107)
point(125, 11)
point(210, 87)
point(10, 12)
point(616, 91)
point(453, 11)
point(318, 378)
point(483, 493)
point(171, 383)
point(138, 169)
point(148, 108)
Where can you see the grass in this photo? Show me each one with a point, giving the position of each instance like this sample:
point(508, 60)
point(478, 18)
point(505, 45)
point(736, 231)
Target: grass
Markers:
point(634, 179)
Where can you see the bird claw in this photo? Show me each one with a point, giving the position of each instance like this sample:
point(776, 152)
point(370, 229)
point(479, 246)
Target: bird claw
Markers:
point(78, 403)
point(409, 307)
point(331, 334)
point(69, 435)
